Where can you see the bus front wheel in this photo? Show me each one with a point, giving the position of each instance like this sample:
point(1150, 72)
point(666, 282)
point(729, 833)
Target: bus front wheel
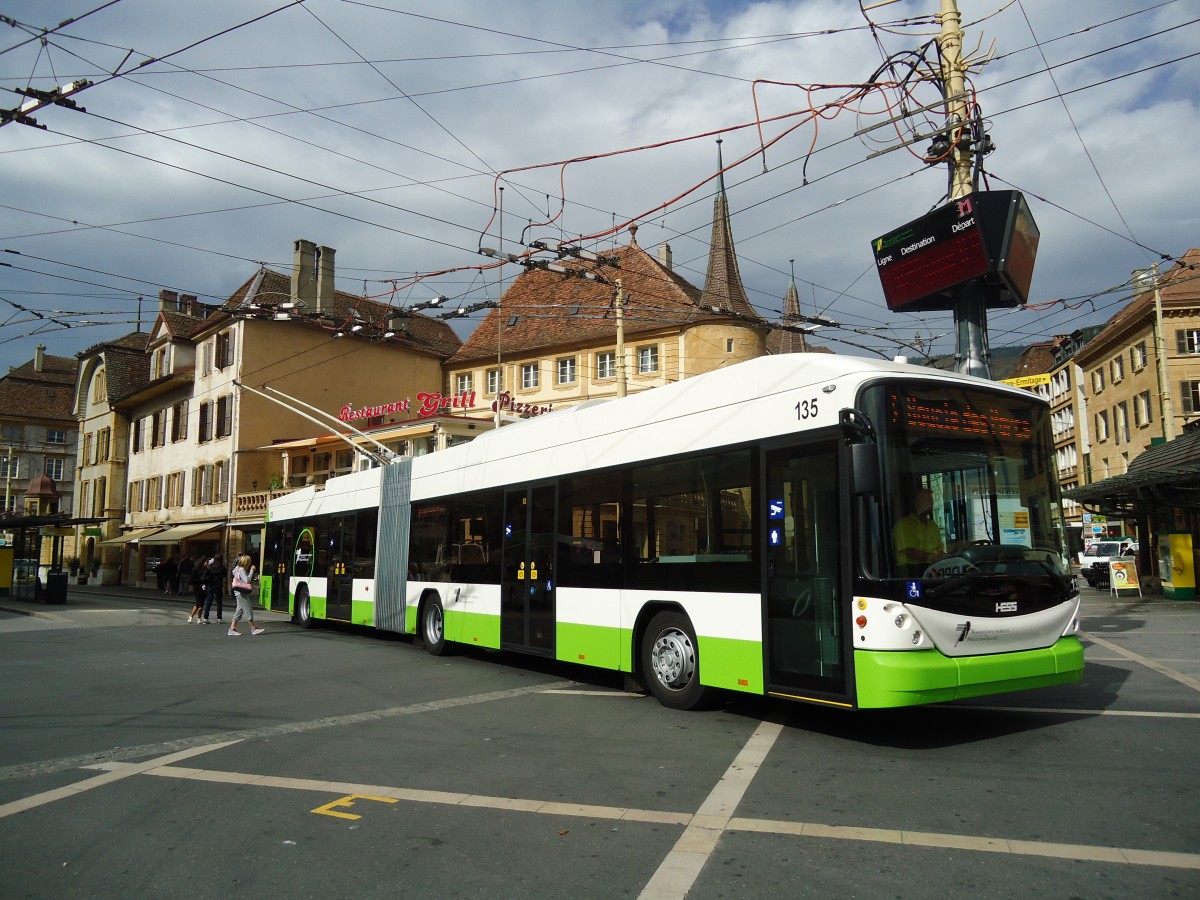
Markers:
point(304, 609)
point(671, 662)
point(433, 627)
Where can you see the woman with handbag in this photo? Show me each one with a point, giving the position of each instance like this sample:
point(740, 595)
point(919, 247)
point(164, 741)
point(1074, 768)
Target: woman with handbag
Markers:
point(243, 588)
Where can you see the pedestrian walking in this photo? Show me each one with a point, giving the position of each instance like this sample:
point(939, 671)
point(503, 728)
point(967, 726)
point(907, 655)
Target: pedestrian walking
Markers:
point(168, 573)
point(199, 591)
point(215, 571)
point(186, 566)
point(244, 576)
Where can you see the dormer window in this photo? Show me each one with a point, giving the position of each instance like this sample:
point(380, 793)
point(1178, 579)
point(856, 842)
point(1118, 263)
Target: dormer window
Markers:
point(159, 366)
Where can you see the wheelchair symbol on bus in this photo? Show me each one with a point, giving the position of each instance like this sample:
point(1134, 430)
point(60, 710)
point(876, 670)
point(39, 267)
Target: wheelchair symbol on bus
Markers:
point(913, 590)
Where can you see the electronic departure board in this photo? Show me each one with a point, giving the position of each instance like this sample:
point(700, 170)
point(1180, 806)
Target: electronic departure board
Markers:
point(986, 235)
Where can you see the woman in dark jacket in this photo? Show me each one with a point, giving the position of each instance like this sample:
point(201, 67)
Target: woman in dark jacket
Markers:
point(216, 572)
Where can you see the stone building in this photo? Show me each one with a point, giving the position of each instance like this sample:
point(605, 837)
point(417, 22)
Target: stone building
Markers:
point(38, 433)
point(107, 371)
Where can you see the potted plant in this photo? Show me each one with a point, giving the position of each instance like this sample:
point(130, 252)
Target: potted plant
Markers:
point(73, 565)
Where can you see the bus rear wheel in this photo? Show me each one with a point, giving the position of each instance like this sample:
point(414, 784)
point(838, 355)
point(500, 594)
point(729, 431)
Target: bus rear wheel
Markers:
point(304, 609)
point(671, 662)
point(433, 627)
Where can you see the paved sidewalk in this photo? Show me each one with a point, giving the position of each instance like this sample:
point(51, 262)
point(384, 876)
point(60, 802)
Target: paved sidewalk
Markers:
point(97, 596)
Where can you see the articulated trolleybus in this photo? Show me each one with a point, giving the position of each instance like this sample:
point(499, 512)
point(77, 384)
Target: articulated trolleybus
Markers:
point(736, 531)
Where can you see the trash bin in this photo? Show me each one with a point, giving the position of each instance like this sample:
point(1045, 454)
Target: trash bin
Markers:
point(56, 588)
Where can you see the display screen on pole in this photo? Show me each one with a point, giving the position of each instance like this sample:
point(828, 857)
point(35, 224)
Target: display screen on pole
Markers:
point(988, 235)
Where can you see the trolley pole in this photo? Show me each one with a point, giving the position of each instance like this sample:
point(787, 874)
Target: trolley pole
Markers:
point(971, 354)
point(620, 305)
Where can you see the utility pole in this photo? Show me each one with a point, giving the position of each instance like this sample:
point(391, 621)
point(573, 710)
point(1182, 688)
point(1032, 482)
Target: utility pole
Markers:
point(971, 354)
point(620, 304)
point(1166, 409)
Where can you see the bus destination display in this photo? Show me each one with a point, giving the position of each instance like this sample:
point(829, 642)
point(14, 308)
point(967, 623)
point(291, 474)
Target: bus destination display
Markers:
point(950, 416)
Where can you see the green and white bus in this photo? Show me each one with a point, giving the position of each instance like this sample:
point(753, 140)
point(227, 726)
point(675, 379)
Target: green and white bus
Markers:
point(732, 531)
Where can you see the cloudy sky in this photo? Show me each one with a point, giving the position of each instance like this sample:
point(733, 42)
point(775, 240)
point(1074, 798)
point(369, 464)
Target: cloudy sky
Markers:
point(215, 134)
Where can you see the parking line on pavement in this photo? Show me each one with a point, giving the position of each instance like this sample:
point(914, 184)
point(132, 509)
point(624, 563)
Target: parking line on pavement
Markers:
point(701, 830)
point(679, 871)
point(1158, 667)
point(125, 771)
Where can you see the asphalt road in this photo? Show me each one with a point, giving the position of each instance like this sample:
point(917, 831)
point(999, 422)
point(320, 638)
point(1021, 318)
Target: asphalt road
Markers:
point(146, 757)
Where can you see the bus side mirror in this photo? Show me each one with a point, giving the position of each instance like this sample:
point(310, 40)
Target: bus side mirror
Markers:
point(864, 469)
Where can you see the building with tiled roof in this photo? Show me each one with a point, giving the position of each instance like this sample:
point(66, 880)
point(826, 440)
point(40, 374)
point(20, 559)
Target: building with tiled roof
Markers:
point(202, 462)
point(38, 434)
point(623, 322)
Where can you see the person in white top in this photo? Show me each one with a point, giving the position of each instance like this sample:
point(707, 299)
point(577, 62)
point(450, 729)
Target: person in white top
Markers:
point(243, 590)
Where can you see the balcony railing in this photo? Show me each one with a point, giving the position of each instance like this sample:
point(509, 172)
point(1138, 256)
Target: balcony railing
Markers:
point(254, 503)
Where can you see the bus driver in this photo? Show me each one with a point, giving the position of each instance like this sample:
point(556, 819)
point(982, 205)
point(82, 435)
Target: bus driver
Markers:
point(916, 538)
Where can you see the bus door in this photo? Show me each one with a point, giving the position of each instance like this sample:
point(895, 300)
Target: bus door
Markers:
point(277, 564)
point(341, 567)
point(804, 624)
point(527, 585)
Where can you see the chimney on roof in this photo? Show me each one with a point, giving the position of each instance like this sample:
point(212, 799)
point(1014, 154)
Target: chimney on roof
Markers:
point(304, 274)
point(168, 301)
point(325, 287)
point(188, 304)
point(39, 357)
point(664, 255)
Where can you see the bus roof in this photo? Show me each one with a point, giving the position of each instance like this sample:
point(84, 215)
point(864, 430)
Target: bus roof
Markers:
point(752, 400)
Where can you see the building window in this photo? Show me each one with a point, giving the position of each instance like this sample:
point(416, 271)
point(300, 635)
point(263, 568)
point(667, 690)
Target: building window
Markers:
point(1121, 422)
point(159, 364)
point(224, 357)
point(103, 445)
point(224, 421)
point(1143, 413)
point(1117, 367)
point(158, 430)
point(1138, 357)
point(221, 480)
point(1187, 340)
point(495, 382)
point(529, 376)
point(54, 468)
point(1189, 396)
point(647, 360)
point(729, 345)
point(206, 358)
point(100, 498)
point(205, 425)
point(1098, 381)
point(87, 450)
point(179, 423)
point(100, 387)
point(1102, 425)
point(154, 493)
point(462, 383)
point(136, 438)
point(54, 436)
point(606, 365)
point(566, 370)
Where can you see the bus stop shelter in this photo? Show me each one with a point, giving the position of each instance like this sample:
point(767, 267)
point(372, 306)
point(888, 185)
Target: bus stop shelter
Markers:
point(23, 548)
point(1161, 492)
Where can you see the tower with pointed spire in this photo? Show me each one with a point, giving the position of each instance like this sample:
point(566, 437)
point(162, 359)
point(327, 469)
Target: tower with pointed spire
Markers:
point(723, 288)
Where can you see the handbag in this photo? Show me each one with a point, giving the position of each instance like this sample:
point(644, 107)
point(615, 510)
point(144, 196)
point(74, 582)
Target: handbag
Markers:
point(242, 587)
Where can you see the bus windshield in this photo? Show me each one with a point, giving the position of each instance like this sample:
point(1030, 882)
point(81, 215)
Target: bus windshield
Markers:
point(969, 483)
